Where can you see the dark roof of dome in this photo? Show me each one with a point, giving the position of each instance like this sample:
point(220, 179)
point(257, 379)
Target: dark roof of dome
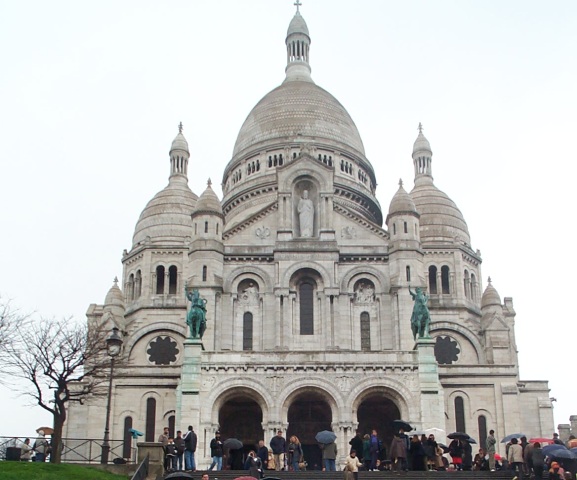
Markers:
point(490, 296)
point(208, 202)
point(441, 220)
point(167, 216)
point(298, 109)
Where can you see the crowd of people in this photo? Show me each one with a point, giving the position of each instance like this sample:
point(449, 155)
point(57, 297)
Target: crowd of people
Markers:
point(367, 452)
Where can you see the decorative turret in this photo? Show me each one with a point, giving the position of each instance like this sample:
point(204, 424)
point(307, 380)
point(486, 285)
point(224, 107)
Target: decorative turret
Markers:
point(403, 218)
point(114, 309)
point(179, 155)
point(490, 297)
point(298, 44)
point(422, 157)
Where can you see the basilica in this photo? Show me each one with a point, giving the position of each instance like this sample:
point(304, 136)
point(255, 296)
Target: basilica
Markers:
point(309, 288)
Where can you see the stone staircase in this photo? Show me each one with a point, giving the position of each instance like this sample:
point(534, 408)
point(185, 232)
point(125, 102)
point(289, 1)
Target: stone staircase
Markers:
point(339, 475)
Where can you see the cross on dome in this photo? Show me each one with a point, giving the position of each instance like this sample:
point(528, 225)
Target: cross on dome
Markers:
point(297, 4)
point(180, 127)
point(209, 182)
point(116, 281)
point(400, 182)
point(420, 127)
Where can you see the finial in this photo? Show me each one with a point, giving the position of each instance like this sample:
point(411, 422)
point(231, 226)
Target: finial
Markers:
point(420, 127)
point(116, 281)
point(209, 182)
point(180, 127)
point(298, 4)
point(401, 182)
point(489, 280)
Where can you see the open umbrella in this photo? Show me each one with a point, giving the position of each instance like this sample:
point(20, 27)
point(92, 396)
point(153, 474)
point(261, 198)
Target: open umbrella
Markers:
point(232, 443)
point(508, 438)
point(549, 449)
point(398, 424)
point(325, 437)
point(179, 476)
point(46, 430)
point(562, 454)
point(459, 435)
point(540, 440)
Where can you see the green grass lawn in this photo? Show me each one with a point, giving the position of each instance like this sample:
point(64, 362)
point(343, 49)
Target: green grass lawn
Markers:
point(49, 471)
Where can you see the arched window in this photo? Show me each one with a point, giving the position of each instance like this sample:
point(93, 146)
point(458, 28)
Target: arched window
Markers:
point(394, 228)
point(130, 293)
point(445, 279)
point(172, 279)
point(306, 301)
point(408, 272)
point(365, 331)
point(205, 227)
point(405, 228)
point(247, 331)
point(127, 438)
point(160, 280)
point(204, 273)
point(150, 419)
point(433, 280)
point(459, 415)
point(473, 287)
point(138, 284)
point(482, 423)
point(171, 425)
point(466, 285)
point(217, 228)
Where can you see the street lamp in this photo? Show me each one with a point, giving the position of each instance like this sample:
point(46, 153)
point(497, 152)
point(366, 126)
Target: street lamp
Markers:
point(113, 347)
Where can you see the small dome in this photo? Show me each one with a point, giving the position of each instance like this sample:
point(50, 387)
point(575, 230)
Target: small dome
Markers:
point(166, 218)
point(441, 221)
point(402, 202)
point(490, 296)
point(114, 296)
point(421, 143)
point(179, 143)
point(208, 203)
point(297, 25)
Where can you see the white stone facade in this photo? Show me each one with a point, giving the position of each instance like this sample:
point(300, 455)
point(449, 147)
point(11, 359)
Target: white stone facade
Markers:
point(310, 331)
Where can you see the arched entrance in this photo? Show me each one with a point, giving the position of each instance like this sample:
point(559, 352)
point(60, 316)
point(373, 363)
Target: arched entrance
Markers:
point(377, 411)
point(241, 417)
point(308, 414)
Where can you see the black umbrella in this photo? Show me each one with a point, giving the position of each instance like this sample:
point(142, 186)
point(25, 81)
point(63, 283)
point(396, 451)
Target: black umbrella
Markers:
point(325, 437)
point(562, 454)
point(179, 476)
point(232, 443)
point(398, 424)
point(459, 435)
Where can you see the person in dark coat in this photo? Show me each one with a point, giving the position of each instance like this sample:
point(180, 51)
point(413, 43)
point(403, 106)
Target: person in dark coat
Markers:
point(456, 452)
point(417, 454)
point(430, 446)
point(537, 460)
point(262, 453)
point(254, 465)
point(398, 453)
point(467, 456)
point(235, 459)
point(356, 442)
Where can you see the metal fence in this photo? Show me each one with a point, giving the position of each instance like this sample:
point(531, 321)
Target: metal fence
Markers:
point(78, 450)
point(142, 470)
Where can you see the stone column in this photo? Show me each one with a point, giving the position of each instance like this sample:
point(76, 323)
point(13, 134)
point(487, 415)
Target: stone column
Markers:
point(431, 392)
point(188, 405)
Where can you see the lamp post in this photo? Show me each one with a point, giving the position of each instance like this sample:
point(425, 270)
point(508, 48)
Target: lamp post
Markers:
point(113, 347)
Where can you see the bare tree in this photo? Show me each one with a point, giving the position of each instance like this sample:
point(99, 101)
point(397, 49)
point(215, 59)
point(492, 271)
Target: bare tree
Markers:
point(10, 321)
point(62, 362)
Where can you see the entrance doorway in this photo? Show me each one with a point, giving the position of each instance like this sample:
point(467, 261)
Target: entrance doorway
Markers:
point(309, 414)
point(241, 417)
point(377, 411)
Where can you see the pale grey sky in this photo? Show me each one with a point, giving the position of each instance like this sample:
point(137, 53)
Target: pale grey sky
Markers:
point(91, 94)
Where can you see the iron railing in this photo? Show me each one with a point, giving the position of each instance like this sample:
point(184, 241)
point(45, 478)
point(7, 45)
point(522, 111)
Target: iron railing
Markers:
point(142, 470)
point(77, 450)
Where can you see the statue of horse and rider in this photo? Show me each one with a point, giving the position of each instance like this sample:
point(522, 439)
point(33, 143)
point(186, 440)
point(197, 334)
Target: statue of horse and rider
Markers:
point(421, 318)
point(196, 317)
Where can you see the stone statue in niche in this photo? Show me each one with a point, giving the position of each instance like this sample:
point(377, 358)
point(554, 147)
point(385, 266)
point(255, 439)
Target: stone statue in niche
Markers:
point(249, 294)
point(365, 293)
point(306, 212)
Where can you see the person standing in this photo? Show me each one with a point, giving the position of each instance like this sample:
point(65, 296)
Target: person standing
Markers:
point(330, 456)
point(456, 452)
point(295, 453)
point(278, 446)
point(356, 444)
point(262, 453)
point(398, 452)
point(180, 447)
point(515, 457)
point(467, 456)
point(25, 451)
point(366, 451)
point(216, 452)
point(491, 449)
point(417, 452)
point(352, 465)
point(41, 447)
point(190, 441)
point(374, 449)
point(163, 438)
point(537, 460)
